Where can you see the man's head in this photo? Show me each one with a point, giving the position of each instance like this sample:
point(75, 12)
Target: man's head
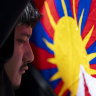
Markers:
point(22, 54)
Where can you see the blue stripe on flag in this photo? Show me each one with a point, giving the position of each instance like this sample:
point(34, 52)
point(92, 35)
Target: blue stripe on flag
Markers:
point(93, 61)
point(92, 48)
point(69, 93)
point(83, 4)
point(59, 8)
point(38, 33)
point(54, 83)
point(47, 74)
point(68, 5)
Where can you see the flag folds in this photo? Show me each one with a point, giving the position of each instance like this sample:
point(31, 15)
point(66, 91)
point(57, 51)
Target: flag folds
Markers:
point(64, 45)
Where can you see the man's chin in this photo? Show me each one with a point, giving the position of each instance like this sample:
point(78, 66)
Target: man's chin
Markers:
point(16, 86)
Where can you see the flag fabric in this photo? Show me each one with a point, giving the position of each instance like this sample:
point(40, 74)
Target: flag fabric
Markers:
point(64, 46)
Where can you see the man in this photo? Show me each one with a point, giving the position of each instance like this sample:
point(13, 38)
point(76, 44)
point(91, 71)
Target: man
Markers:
point(22, 54)
point(11, 73)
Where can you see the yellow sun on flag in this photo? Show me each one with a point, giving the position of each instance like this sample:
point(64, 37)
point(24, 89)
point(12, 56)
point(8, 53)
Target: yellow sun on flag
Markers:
point(69, 49)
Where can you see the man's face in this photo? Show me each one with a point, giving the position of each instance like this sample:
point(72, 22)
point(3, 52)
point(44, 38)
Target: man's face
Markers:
point(22, 55)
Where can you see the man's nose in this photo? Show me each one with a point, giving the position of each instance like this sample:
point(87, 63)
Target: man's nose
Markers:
point(28, 55)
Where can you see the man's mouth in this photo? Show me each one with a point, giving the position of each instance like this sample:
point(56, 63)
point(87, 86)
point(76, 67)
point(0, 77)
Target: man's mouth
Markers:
point(23, 68)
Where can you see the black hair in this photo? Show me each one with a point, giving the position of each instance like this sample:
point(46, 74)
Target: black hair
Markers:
point(29, 16)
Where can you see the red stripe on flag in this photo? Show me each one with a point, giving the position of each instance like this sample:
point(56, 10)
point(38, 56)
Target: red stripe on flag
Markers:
point(40, 58)
point(46, 23)
point(39, 4)
point(66, 93)
point(92, 38)
point(53, 10)
point(45, 19)
point(59, 87)
point(76, 6)
point(93, 66)
point(93, 76)
point(89, 23)
point(86, 88)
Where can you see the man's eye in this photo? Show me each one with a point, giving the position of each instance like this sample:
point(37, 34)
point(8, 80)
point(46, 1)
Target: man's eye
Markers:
point(21, 41)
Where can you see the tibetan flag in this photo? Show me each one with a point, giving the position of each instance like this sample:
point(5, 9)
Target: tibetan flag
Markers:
point(64, 45)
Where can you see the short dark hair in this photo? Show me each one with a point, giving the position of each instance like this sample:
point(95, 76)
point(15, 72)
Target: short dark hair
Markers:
point(29, 16)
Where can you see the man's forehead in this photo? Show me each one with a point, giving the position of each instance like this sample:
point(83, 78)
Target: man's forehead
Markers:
point(23, 30)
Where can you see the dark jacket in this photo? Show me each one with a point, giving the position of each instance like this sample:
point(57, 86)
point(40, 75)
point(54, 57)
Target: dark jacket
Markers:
point(6, 89)
point(33, 84)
